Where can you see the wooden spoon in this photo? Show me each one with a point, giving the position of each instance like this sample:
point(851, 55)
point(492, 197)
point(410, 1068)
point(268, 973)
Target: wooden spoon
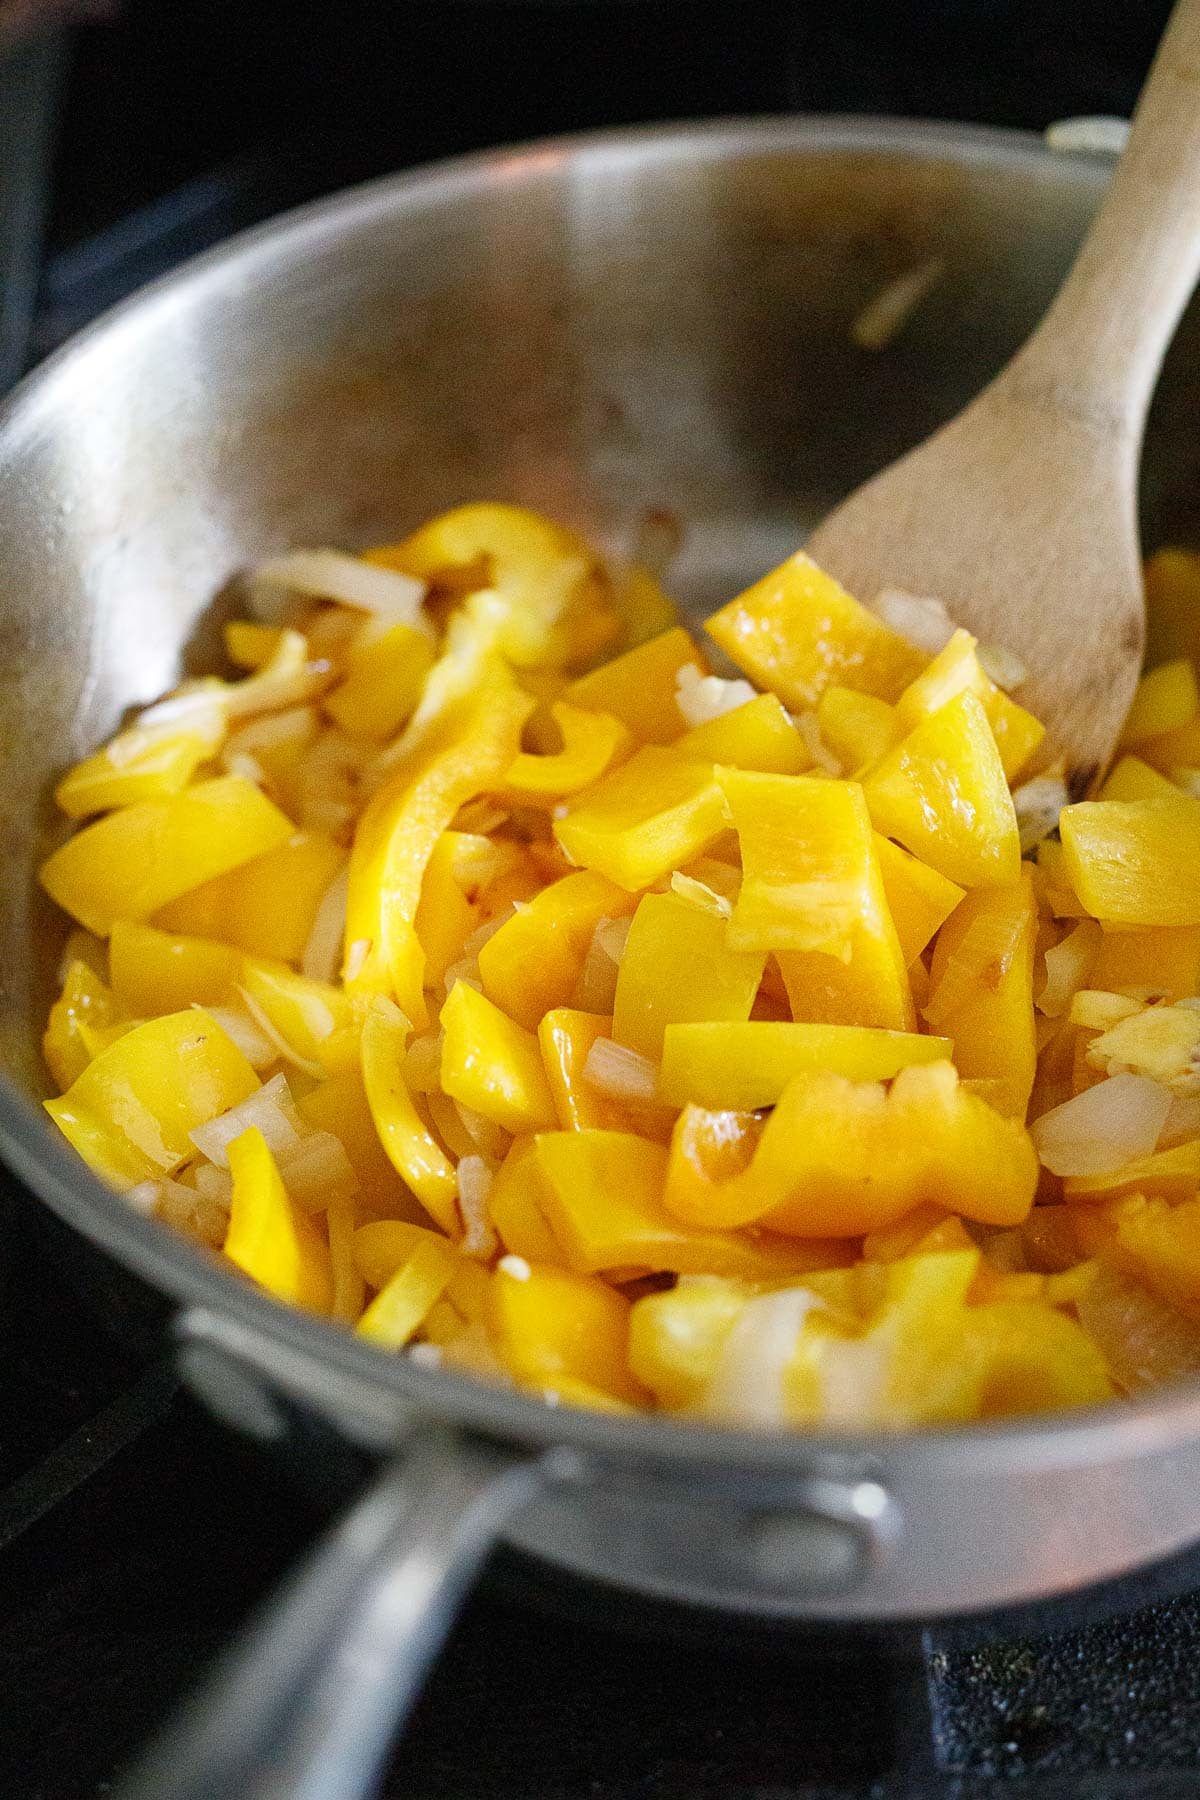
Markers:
point(1020, 515)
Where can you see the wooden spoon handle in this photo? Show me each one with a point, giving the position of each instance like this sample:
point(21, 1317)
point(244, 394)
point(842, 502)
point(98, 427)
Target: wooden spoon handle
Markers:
point(1099, 348)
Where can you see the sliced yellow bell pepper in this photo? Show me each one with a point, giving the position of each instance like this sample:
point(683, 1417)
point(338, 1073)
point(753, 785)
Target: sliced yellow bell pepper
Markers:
point(639, 687)
point(1172, 1175)
point(131, 863)
point(653, 814)
point(396, 835)
point(566, 1036)
point(943, 793)
point(591, 743)
point(1135, 862)
point(267, 906)
point(918, 898)
point(85, 1001)
point(1160, 962)
point(676, 1338)
point(957, 670)
point(1166, 699)
point(533, 962)
point(445, 917)
point(514, 1209)
point(981, 990)
point(796, 631)
point(160, 972)
point(858, 728)
point(746, 1066)
point(249, 644)
point(339, 1105)
point(1133, 779)
point(1156, 1241)
point(385, 1245)
point(492, 1064)
point(142, 1096)
point(269, 1238)
point(399, 1309)
point(383, 683)
point(551, 1323)
point(147, 762)
point(677, 965)
point(1172, 603)
point(303, 1013)
point(411, 1147)
point(838, 1158)
point(758, 735)
point(348, 1288)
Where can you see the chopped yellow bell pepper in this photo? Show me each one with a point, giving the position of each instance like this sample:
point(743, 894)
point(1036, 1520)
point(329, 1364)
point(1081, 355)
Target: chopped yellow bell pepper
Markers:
point(943, 793)
point(492, 1064)
point(1155, 1240)
point(397, 834)
point(746, 1066)
point(1158, 963)
point(957, 670)
point(533, 962)
point(131, 863)
point(654, 813)
point(250, 645)
point(1133, 779)
point(677, 965)
point(349, 1289)
point(303, 1013)
point(267, 906)
point(159, 972)
point(918, 898)
point(339, 1105)
point(383, 683)
point(591, 743)
point(566, 1037)
point(676, 1338)
point(757, 735)
point(838, 1158)
point(1135, 862)
point(858, 728)
point(639, 687)
point(1172, 603)
point(412, 1148)
point(796, 631)
point(269, 1238)
point(385, 1245)
point(85, 1001)
point(147, 762)
point(643, 608)
point(398, 1310)
point(1172, 1175)
point(142, 1096)
point(1166, 699)
point(549, 1322)
point(514, 1210)
point(981, 990)
point(446, 916)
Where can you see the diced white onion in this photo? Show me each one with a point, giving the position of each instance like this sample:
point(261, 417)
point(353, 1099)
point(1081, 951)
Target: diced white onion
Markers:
point(922, 620)
point(619, 1072)
point(190, 1211)
point(1002, 666)
point(887, 313)
point(423, 1064)
point(1182, 1123)
point(316, 1171)
point(426, 1356)
point(516, 1267)
point(465, 969)
point(1038, 804)
point(240, 762)
point(474, 1186)
point(215, 1184)
point(808, 726)
point(491, 1140)
point(597, 985)
point(323, 951)
point(1146, 1343)
point(269, 1108)
point(1106, 1126)
point(199, 711)
point(143, 1198)
point(483, 933)
point(332, 575)
point(702, 698)
point(1067, 966)
point(747, 1384)
point(697, 893)
point(356, 956)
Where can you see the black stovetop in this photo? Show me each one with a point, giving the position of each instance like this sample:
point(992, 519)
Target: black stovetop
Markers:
point(135, 1534)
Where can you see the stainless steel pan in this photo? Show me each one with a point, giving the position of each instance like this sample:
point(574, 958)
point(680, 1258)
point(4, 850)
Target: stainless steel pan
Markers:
point(642, 319)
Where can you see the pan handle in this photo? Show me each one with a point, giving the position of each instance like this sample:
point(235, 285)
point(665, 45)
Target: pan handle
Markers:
point(307, 1702)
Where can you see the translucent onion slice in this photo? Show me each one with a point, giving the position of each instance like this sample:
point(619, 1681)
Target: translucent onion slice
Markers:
point(316, 1171)
point(1067, 967)
point(1146, 1343)
point(269, 1108)
point(702, 698)
point(1102, 1129)
point(1038, 804)
point(923, 621)
point(283, 1050)
point(748, 1384)
point(332, 575)
point(697, 893)
point(619, 1072)
point(323, 951)
point(474, 1185)
point(808, 726)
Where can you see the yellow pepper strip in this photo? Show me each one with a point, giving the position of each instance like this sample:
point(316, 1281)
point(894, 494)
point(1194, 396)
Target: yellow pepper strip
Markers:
point(269, 1239)
point(1164, 961)
point(957, 670)
point(532, 963)
point(445, 917)
point(757, 735)
point(1135, 862)
point(858, 728)
point(639, 687)
point(349, 1290)
point(158, 972)
point(129, 864)
point(1133, 779)
point(1172, 1175)
point(385, 1245)
point(918, 898)
point(147, 762)
point(981, 990)
point(592, 742)
point(676, 1338)
point(796, 630)
point(566, 1036)
point(250, 645)
point(1055, 887)
point(547, 1323)
point(601, 1192)
point(339, 1105)
point(677, 965)
point(414, 1152)
point(745, 1066)
point(303, 1013)
point(1153, 1240)
point(398, 1310)
point(396, 835)
point(645, 819)
point(85, 1000)
point(1166, 699)
point(383, 683)
point(943, 793)
point(267, 906)
point(1172, 600)
point(838, 1158)
point(1174, 749)
point(141, 1097)
point(492, 1064)
point(640, 604)
point(514, 1210)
